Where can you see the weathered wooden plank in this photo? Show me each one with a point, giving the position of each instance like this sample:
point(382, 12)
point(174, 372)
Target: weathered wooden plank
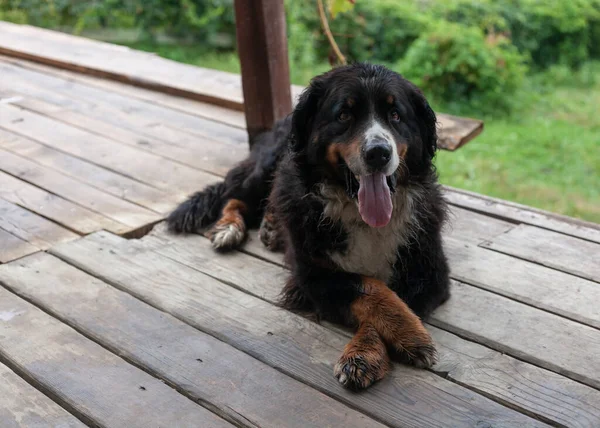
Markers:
point(454, 132)
point(75, 191)
point(472, 227)
point(550, 249)
point(523, 214)
point(151, 71)
point(228, 381)
point(36, 230)
point(254, 247)
point(522, 331)
point(547, 395)
point(296, 346)
point(23, 406)
point(530, 283)
point(197, 108)
point(199, 152)
point(101, 178)
point(97, 386)
point(140, 165)
point(126, 65)
point(68, 214)
point(13, 247)
point(101, 104)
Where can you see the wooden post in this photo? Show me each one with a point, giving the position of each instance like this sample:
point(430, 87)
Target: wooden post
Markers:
point(262, 47)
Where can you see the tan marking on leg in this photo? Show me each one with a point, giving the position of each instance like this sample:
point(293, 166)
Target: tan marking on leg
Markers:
point(230, 231)
point(399, 327)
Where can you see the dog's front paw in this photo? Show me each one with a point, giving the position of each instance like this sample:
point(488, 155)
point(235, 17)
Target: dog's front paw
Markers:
point(364, 360)
point(421, 355)
point(227, 236)
point(269, 234)
point(359, 371)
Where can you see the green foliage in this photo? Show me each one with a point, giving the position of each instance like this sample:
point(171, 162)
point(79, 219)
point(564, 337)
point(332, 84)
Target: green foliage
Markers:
point(453, 61)
point(472, 52)
point(337, 6)
point(549, 31)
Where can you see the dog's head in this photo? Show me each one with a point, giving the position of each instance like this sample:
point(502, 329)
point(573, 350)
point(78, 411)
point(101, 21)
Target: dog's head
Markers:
point(368, 129)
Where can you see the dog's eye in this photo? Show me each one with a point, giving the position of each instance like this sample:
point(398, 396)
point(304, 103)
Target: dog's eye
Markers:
point(344, 116)
point(395, 116)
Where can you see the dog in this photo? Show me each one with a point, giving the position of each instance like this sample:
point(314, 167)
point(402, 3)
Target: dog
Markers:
point(346, 187)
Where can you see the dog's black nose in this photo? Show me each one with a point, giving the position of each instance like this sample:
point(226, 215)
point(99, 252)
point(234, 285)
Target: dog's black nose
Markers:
point(378, 154)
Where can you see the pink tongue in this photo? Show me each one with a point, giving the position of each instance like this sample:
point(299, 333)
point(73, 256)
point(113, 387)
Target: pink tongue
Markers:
point(374, 200)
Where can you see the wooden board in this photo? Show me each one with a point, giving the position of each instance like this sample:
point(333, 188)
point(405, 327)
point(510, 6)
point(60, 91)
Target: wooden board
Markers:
point(565, 253)
point(150, 71)
point(522, 214)
point(97, 386)
point(296, 346)
point(530, 283)
point(86, 172)
point(522, 331)
point(13, 247)
point(548, 396)
point(30, 227)
point(233, 384)
point(469, 226)
point(96, 102)
point(126, 65)
point(210, 156)
point(197, 108)
point(23, 406)
point(105, 204)
point(68, 214)
point(121, 158)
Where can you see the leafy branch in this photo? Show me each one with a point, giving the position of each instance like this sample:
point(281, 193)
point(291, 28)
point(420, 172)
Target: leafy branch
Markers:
point(335, 7)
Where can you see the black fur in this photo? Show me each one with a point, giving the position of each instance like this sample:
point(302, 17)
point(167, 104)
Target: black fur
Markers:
point(286, 167)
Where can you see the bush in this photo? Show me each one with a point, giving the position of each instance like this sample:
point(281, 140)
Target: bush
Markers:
point(549, 31)
point(458, 49)
point(452, 61)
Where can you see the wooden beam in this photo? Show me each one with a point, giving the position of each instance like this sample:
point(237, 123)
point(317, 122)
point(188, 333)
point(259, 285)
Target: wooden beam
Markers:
point(262, 47)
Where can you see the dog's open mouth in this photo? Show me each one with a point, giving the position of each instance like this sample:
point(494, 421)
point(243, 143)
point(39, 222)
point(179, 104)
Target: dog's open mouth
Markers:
point(374, 192)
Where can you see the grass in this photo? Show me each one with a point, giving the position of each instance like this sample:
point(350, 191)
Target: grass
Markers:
point(546, 155)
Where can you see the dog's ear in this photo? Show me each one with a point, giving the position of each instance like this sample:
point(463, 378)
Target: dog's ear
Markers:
point(304, 114)
point(427, 122)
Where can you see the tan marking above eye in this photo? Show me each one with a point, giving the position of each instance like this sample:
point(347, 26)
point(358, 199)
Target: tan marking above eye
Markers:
point(390, 99)
point(350, 102)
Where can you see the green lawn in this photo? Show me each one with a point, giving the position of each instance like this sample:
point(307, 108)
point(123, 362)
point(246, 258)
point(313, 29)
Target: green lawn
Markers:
point(546, 155)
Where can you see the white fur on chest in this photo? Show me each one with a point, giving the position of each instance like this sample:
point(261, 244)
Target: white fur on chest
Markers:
point(371, 251)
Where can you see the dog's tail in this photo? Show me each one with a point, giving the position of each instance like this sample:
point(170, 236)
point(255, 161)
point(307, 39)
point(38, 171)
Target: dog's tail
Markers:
point(200, 211)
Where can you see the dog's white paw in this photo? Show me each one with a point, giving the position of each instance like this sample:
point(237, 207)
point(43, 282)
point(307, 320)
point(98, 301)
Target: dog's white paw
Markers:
point(227, 236)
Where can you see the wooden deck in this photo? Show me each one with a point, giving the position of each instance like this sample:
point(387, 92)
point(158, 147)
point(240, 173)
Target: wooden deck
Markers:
point(105, 324)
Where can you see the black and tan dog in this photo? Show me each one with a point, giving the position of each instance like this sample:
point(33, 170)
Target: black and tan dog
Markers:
point(346, 186)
